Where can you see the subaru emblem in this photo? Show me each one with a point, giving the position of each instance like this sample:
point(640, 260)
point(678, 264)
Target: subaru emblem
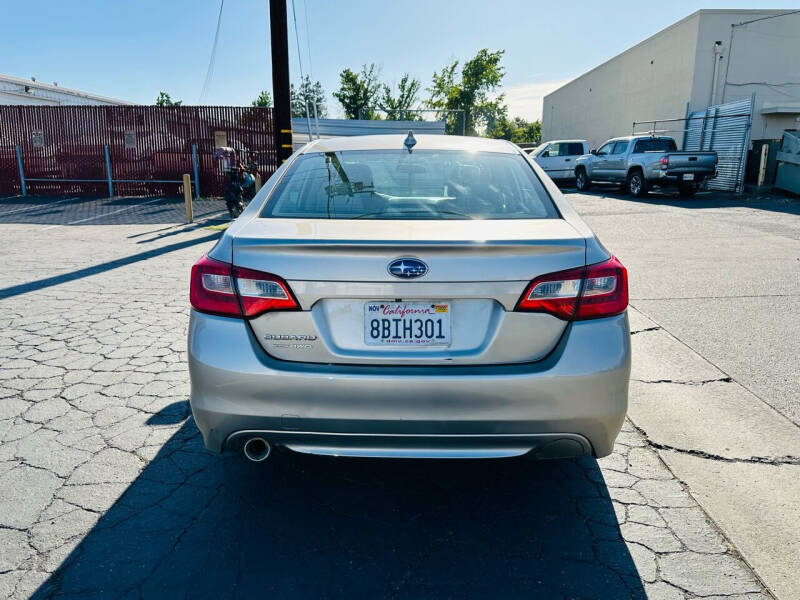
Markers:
point(407, 268)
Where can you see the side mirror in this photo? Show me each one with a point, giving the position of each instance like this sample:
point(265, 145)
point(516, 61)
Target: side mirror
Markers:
point(593, 151)
point(544, 154)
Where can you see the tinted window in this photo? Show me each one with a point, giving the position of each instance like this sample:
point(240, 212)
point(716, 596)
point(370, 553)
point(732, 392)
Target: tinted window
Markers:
point(427, 184)
point(575, 149)
point(620, 147)
point(655, 145)
point(565, 149)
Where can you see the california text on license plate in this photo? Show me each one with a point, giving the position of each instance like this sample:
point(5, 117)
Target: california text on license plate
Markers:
point(407, 323)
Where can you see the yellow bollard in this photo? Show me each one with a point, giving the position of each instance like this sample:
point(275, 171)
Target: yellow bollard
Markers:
point(187, 198)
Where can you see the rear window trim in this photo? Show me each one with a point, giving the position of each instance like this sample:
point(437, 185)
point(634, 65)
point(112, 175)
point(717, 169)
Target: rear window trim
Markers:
point(527, 158)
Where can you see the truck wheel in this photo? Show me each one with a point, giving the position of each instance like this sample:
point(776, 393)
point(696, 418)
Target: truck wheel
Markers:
point(637, 184)
point(581, 180)
point(687, 190)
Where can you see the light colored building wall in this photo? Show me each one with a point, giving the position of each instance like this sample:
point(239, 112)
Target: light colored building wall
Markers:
point(761, 56)
point(650, 80)
point(15, 91)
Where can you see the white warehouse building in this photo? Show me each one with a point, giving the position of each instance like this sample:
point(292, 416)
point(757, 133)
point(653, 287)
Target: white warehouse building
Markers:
point(16, 91)
point(710, 57)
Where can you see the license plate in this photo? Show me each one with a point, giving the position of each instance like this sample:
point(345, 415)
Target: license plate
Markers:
point(407, 323)
point(688, 176)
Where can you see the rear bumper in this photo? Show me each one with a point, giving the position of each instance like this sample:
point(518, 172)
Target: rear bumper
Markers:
point(571, 402)
point(675, 178)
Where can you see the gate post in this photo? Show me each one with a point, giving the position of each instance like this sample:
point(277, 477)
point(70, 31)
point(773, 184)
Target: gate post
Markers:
point(23, 187)
point(187, 198)
point(196, 171)
point(108, 173)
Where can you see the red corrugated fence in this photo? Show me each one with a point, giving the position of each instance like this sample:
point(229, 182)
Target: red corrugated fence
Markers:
point(149, 147)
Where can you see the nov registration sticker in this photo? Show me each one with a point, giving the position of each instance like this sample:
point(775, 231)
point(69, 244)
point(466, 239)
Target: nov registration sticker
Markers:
point(407, 323)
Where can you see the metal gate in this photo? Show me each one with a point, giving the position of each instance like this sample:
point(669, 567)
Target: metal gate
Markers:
point(724, 128)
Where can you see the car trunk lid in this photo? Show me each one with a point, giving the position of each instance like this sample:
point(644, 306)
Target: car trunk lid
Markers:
point(476, 272)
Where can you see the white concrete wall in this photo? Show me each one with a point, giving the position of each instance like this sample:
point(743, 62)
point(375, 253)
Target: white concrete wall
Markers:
point(650, 80)
point(765, 59)
point(761, 57)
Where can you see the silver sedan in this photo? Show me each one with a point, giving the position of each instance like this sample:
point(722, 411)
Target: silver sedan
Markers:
point(387, 296)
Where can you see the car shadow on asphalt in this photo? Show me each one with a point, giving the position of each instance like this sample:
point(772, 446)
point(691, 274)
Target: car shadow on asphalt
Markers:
point(199, 525)
point(40, 284)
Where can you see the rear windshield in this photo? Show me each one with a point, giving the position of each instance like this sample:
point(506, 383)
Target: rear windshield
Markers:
point(426, 184)
point(655, 145)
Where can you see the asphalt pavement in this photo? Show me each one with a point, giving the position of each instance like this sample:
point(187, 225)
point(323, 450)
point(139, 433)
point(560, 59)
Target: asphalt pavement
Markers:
point(715, 286)
point(720, 272)
point(106, 490)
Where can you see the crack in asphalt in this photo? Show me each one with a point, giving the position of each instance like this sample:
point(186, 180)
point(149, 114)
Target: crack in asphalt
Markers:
point(654, 328)
point(758, 460)
point(687, 382)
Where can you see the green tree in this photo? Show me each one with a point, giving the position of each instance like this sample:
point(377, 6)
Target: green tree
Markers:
point(264, 99)
point(164, 100)
point(358, 93)
point(398, 106)
point(470, 91)
point(308, 93)
point(517, 130)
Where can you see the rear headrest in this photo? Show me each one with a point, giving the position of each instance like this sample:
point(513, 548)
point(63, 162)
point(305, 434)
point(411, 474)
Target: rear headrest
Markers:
point(358, 174)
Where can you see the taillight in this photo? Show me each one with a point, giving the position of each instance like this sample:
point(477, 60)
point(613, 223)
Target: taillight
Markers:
point(221, 289)
point(664, 162)
point(556, 293)
point(598, 290)
point(262, 292)
point(605, 292)
point(211, 289)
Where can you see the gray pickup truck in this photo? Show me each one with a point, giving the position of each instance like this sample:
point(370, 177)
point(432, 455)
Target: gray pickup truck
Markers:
point(639, 163)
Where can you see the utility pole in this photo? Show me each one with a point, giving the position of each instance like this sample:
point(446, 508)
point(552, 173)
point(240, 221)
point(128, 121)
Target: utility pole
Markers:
point(279, 36)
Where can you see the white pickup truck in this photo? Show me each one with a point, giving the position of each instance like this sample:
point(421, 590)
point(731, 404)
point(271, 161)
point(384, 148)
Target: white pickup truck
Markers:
point(639, 163)
point(558, 157)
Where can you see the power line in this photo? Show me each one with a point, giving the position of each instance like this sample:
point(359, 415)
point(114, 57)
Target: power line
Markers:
point(210, 71)
point(300, 61)
point(297, 39)
point(308, 41)
point(310, 68)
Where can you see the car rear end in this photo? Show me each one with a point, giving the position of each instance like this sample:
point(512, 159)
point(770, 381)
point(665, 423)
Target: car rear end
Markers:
point(440, 303)
point(667, 166)
point(687, 167)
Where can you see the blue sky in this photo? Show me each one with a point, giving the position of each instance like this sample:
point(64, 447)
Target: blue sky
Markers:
point(134, 49)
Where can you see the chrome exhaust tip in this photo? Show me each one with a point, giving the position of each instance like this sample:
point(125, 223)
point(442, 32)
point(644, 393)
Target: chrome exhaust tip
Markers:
point(257, 449)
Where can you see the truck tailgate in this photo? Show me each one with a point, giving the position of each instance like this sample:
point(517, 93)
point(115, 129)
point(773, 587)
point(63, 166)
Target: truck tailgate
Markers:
point(704, 162)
